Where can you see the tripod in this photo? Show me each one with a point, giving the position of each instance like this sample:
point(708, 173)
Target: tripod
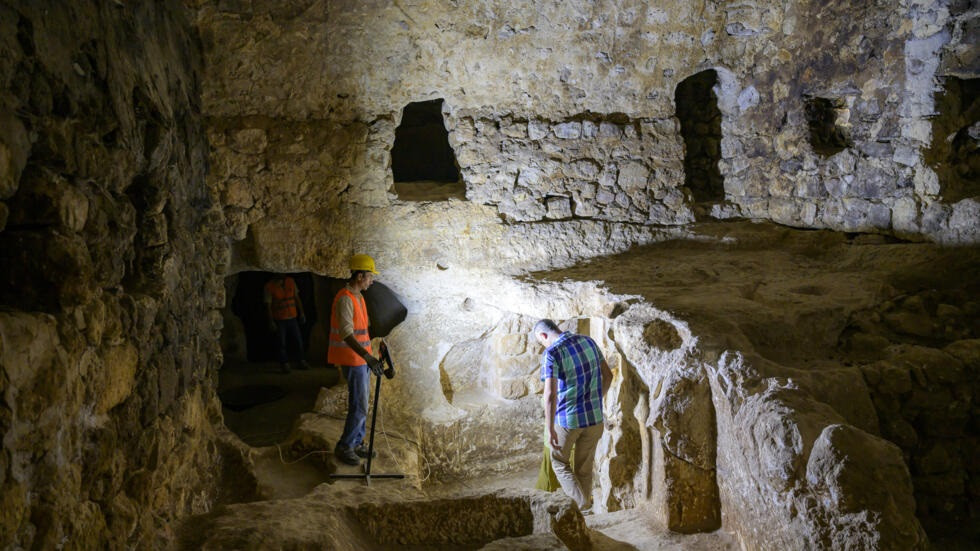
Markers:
point(389, 372)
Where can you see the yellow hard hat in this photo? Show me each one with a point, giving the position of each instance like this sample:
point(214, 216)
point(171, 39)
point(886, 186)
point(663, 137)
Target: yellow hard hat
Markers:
point(362, 263)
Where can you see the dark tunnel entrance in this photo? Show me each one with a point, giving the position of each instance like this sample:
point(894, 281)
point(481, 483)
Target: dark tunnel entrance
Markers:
point(260, 402)
point(700, 118)
point(248, 304)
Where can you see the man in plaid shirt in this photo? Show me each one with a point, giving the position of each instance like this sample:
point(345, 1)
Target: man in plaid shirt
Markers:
point(576, 377)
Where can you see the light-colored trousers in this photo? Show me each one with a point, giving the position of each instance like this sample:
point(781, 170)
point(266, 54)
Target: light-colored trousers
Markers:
point(577, 483)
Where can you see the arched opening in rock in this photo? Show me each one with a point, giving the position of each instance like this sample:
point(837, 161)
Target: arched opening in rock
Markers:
point(954, 154)
point(422, 161)
point(825, 118)
point(700, 118)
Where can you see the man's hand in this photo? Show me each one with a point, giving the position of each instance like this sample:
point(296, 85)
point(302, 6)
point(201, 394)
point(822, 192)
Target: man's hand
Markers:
point(374, 365)
point(553, 438)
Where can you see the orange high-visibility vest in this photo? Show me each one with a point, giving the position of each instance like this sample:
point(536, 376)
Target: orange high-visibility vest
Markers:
point(338, 352)
point(283, 299)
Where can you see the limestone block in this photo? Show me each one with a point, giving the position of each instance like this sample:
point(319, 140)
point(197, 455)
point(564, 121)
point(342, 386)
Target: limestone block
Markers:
point(967, 352)
point(237, 193)
point(558, 208)
point(589, 129)
point(689, 502)
point(926, 182)
point(879, 484)
point(632, 176)
point(905, 215)
point(537, 129)
point(585, 169)
point(568, 130)
point(73, 208)
point(895, 379)
point(512, 389)
point(610, 130)
point(28, 343)
point(15, 148)
point(510, 344)
point(906, 155)
point(684, 466)
point(515, 129)
point(119, 378)
point(962, 224)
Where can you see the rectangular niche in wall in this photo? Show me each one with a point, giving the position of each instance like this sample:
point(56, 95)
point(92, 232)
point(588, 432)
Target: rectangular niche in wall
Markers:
point(827, 135)
point(422, 162)
point(954, 153)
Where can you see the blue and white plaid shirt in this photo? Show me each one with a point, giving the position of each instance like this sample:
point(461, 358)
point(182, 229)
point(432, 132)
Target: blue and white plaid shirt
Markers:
point(575, 361)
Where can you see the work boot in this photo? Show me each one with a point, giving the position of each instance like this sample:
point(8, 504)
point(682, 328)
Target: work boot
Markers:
point(346, 455)
point(283, 368)
point(362, 451)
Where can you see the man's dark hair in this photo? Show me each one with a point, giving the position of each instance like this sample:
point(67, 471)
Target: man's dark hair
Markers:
point(546, 324)
point(355, 273)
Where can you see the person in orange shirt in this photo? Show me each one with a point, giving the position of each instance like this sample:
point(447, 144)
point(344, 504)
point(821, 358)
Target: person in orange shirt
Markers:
point(285, 316)
point(350, 348)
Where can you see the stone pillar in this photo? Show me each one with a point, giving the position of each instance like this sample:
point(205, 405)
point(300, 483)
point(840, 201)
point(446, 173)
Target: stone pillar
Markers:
point(684, 489)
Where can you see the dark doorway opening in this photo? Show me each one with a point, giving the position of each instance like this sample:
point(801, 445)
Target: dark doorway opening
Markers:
point(827, 137)
point(954, 154)
point(248, 304)
point(422, 161)
point(700, 118)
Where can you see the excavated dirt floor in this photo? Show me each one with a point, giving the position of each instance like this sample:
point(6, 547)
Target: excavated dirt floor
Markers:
point(784, 296)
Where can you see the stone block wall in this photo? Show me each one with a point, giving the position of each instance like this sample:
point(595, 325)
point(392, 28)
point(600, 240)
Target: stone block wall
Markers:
point(602, 167)
point(918, 352)
point(534, 126)
point(876, 69)
point(110, 277)
point(926, 400)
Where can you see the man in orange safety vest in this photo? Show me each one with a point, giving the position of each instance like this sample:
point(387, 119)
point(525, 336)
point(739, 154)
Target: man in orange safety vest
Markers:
point(285, 316)
point(350, 348)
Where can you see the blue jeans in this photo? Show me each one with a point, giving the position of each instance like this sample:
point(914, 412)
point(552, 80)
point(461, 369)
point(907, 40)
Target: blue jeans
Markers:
point(288, 330)
point(358, 383)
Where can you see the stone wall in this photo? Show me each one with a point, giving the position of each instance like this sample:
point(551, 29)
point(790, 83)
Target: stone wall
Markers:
point(662, 446)
point(597, 166)
point(793, 473)
point(926, 401)
point(881, 180)
point(920, 359)
point(589, 129)
point(110, 277)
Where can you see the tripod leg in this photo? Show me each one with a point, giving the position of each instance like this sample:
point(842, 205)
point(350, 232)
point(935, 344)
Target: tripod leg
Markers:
point(374, 419)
